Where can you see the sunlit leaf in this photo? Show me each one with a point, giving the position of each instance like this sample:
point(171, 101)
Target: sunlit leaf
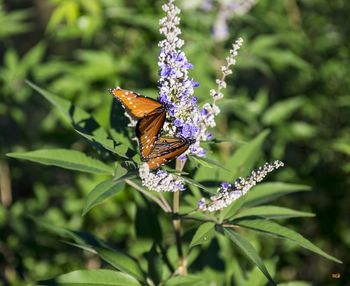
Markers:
point(282, 110)
point(101, 192)
point(265, 192)
point(81, 121)
point(206, 162)
point(232, 209)
point(203, 234)
point(93, 277)
point(68, 159)
point(295, 283)
point(188, 280)
point(249, 251)
point(273, 229)
point(194, 183)
point(121, 262)
point(90, 243)
point(271, 212)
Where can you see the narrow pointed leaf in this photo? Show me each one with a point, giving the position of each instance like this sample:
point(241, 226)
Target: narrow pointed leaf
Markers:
point(271, 212)
point(207, 162)
point(96, 277)
point(276, 230)
point(232, 209)
point(249, 251)
point(68, 159)
point(189, 280)
point(203, 234)
point(265, 192)
point(90, 243)
point(107, 143)
point(70, 111)
point(194, 183)
point(295, 283)
point(121, 262)
point(82, 122)
point(101, 192)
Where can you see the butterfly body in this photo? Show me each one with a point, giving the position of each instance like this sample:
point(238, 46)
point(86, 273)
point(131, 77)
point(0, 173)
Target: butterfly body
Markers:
point(150, 115)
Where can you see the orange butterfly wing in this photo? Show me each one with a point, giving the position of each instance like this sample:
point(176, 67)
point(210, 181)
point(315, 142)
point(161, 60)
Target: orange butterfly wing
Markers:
point(151, 116)
point(147, 131)
point(135, 104)
point(166, 149)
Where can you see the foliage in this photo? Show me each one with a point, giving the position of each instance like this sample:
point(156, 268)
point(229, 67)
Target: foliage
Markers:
point(291, 79)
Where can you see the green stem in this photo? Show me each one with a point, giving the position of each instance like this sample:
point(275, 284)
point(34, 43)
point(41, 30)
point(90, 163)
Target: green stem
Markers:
point(182, 270)
point(165, 208)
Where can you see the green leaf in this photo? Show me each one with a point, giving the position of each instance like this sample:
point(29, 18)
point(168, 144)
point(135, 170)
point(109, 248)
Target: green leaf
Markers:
point(203, 234)
point(68, 159)
point(265, 192)
point(101, 192)
point(257, 278)
point(343, 147)
point(243, 160)
point(232, 209)
point(95, 277)
point(107, 188)
point(276, 230)
point(108, 144)
point(34, 56)
point(282, 110)
point(189, 280)
point(81, 121)
point(121, 262)
point(194, 183)
point(271, 212)
point(249, 251)
point(90, 243)
point(295, 283)
point(206, 162)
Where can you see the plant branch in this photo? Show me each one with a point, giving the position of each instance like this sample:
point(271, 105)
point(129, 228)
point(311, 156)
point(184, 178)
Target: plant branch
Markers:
point(165, 202)
point(165, 208)
point(230, 225)
point(177, 225)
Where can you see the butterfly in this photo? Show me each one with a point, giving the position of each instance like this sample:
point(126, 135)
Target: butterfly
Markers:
point(150, 115)
point(165, 149)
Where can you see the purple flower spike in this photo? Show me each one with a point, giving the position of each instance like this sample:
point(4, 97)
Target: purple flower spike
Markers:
point(177, 122)
point(163, 98)
point(165, 70)
point(189, 66)
point(179, 57)
point(182, 157)
point(225, 185)
point(195, 83)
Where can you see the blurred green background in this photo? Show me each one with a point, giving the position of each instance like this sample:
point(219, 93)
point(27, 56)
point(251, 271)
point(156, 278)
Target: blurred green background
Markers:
point(292, 76)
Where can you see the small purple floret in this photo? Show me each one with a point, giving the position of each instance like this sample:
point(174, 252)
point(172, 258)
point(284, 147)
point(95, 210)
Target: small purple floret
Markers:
point(225, 185)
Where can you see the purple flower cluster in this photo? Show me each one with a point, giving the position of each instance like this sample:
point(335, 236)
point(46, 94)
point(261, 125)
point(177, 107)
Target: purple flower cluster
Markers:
point(176, 88)
point(184, 117)
point(227, 193)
